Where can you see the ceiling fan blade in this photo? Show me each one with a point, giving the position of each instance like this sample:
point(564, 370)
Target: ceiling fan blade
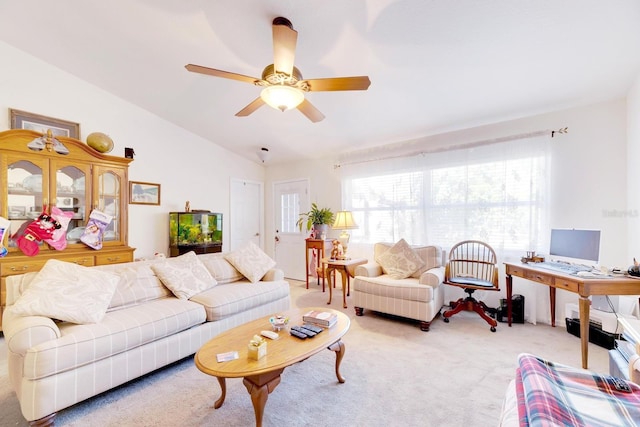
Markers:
point(310, 111)
point(255, 104)
point(219, 73)
point(339, 83)
point(284, 45)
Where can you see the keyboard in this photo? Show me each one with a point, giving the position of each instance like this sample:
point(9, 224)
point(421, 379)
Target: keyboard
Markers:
point(562, 267)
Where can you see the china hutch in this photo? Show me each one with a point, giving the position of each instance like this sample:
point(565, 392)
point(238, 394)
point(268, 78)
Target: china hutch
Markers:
point(41, 171)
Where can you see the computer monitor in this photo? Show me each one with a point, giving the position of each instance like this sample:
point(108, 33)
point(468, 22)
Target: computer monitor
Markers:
point(576, 244)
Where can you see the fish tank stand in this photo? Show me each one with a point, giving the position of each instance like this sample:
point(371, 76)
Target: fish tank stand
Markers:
point(197, 231)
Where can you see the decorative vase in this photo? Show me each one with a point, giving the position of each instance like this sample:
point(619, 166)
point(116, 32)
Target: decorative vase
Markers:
point(321, 230)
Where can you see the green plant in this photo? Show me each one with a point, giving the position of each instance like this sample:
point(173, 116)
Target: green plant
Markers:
point(315, 216)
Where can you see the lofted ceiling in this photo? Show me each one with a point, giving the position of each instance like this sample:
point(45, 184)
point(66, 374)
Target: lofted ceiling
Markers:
point(434, 65)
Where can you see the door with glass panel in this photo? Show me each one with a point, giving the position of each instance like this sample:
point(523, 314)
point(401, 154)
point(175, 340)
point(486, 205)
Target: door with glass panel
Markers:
point(290, 199)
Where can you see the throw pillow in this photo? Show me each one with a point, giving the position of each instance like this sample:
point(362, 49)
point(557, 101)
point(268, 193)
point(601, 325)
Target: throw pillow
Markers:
point(251, 261)
point(68, 292)
point(400, 261)
point(184, 275)
point(220, 268)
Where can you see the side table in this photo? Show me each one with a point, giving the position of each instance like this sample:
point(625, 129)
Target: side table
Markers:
point(346, 267)
point(318, 246)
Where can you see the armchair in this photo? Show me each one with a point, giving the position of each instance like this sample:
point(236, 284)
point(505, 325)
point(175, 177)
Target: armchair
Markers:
point(418, 296)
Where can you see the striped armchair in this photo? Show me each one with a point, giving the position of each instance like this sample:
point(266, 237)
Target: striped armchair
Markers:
point(388, 284)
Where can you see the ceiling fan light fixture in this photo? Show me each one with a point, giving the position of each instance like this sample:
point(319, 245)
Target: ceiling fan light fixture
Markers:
point(282, 97)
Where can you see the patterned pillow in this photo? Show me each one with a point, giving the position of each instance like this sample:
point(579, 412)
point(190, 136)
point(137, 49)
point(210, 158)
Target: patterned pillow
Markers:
point(400, 261)
point(185, 275)
point(251, 261)
point(220, 268)
point(68, 292)
point(432, 257)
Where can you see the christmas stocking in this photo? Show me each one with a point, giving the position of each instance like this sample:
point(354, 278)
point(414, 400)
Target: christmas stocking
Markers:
point(58, 239)
point(4, 228)
point(36, 231)
point(92, 235)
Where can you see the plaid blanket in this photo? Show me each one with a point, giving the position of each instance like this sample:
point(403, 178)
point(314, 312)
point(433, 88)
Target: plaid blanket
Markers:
point(551, 394)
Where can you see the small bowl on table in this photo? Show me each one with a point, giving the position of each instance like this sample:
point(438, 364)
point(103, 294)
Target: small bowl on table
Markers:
point(278, 322)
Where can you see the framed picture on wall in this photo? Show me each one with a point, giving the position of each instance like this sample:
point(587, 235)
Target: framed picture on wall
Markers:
point(144, 193)
point(36, 122)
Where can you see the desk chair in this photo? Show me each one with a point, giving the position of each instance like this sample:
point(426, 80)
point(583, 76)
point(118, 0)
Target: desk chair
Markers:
point(472, 265)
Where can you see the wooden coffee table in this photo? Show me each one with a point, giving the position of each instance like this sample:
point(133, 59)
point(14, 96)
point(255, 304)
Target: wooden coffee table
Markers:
point(262, 376)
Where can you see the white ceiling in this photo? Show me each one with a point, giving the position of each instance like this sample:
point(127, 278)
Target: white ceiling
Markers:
point(434, 65)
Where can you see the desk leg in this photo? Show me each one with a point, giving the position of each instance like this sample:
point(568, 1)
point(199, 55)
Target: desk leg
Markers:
point(584, 304)
point(306, 265)
point(552, 301)
point(330, 279)
point(318, 264)
point(509, 297)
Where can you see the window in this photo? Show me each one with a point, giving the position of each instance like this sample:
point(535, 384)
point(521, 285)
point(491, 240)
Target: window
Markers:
point(496, 193)
point(290, 212)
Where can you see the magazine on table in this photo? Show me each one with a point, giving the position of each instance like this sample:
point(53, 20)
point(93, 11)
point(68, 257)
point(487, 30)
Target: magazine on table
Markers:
point(322, 318)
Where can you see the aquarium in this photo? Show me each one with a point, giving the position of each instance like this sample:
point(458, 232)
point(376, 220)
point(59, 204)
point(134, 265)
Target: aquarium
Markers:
point(198, 231)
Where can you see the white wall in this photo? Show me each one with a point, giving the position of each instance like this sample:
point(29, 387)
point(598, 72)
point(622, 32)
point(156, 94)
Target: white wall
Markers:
point(187, 166)
point(589, 183)
point(633, 170)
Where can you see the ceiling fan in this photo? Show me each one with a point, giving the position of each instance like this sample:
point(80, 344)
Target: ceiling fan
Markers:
point(283, 84)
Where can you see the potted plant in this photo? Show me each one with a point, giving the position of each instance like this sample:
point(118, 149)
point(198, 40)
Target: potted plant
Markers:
point(319, 219)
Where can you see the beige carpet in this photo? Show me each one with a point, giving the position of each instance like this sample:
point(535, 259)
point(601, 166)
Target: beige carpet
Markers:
point(453, 375)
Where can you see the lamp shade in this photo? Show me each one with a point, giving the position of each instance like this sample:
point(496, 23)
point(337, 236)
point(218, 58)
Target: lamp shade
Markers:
point(282, 97)
point(344, 221)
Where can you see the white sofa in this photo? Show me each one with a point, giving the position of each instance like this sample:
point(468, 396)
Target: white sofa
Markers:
point(53, 365)
point(419, 296)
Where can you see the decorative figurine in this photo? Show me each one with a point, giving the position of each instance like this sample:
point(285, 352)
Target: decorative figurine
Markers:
point(337, 252)
point(187, 207)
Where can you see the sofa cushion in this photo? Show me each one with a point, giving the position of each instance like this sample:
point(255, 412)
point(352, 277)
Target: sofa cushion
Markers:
point(220, 268)
point(431, 255)
point(228, 299)
point(69, 292)
point(138, 283)
point(408, 289)
point(400, 261)
point(251, 261)
point(184, 275)
point(118, 332)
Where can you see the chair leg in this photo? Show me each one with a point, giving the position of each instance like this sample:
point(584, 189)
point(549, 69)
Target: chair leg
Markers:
point(470, 304)
point(478, 308)
point(456, 307)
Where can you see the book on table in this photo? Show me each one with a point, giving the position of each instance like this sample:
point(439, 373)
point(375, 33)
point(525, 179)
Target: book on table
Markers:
point(322, 318)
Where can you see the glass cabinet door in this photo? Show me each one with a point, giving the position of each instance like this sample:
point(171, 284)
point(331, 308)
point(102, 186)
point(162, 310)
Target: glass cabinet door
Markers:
point(70, 195)
point(110, 190)
point(27, 192)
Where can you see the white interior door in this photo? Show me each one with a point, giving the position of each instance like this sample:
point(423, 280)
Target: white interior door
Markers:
point(290, 198)
point(246, 213)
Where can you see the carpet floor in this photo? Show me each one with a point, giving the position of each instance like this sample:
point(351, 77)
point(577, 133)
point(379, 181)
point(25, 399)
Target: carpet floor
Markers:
point(454, 375)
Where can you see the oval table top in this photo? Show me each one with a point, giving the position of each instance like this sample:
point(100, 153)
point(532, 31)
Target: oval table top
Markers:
point(282, 352)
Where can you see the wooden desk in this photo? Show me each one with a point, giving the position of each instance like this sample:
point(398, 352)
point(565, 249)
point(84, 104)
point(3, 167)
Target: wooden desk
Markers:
point(346, 267)
point(583, 286)
point(318, 246)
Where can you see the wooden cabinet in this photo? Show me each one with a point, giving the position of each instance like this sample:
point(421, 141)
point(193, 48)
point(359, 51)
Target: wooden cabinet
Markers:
point(36, 172)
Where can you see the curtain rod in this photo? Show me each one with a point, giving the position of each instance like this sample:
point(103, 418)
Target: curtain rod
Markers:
point(460, 146)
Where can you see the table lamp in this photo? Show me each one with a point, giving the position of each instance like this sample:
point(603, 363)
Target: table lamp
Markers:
point(344, 221)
